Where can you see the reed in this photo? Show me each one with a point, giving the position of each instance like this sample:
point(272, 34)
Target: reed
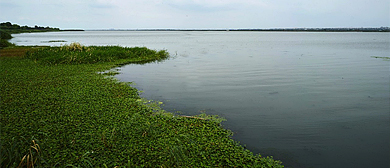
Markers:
point(75, 53)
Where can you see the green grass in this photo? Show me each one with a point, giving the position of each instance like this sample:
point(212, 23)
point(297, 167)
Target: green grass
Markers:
point(56, 110)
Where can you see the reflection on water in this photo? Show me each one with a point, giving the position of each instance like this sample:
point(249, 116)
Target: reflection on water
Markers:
point(309, 99)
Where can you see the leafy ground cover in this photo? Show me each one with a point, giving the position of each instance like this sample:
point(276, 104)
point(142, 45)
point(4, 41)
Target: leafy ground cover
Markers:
point(56, 110)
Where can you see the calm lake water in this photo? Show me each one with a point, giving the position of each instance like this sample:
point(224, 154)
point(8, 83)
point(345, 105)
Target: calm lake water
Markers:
point(310, 99)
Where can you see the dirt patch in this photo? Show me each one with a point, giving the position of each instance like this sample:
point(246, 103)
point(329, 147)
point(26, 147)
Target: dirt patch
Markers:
point(14, 51)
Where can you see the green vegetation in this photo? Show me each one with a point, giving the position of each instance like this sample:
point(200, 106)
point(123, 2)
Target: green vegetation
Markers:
point(15, 28)
point(384, 58)
point(56, 41)
point(7, 28)
point(75, 53)
point(4, 36)
point(4, 43)
point(57, 111)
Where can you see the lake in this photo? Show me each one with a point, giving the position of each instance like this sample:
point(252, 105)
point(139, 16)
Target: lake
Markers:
point(309, 99)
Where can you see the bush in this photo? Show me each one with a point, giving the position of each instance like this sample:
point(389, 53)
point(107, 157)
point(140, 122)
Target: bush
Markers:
point(4, 43)
point(4, 39)
point(5, 35)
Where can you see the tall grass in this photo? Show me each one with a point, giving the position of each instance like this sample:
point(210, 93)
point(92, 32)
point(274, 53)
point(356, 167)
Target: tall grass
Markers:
point(76, 53)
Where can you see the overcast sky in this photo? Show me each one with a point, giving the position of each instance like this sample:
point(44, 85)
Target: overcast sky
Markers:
point(133, 14)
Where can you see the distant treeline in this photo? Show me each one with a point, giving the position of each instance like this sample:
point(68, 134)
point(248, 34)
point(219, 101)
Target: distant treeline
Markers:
point(7, 28)
point(15, 28)
point(377, 29)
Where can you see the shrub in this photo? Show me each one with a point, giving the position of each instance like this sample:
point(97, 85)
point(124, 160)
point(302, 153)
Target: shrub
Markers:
point(4, 43)
point(5, 35)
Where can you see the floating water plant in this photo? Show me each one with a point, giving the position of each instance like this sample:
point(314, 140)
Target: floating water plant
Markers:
point(385, 58)
point(53, 41)
point(56, 111)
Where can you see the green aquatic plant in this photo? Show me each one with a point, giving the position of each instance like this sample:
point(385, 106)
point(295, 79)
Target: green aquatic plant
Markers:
point(384, 58)
point(81, 118)
point(111, 73)
point(56, 41)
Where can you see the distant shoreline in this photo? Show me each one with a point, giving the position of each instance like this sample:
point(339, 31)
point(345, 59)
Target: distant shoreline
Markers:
point(380, 29)
point(72, 30)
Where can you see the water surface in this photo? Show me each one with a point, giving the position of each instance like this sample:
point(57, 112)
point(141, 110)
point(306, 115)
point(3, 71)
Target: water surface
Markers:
point(310, 99)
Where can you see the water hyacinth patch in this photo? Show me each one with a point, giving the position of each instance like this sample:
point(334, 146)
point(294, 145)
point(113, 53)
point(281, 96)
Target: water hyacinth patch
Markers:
point(68, 115)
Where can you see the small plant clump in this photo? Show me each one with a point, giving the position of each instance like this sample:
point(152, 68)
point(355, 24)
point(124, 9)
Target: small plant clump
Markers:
point(67, 115)
point(384, 58)
point(74, 47)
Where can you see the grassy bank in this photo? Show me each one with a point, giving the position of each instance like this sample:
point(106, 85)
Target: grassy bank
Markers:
point(58, 111)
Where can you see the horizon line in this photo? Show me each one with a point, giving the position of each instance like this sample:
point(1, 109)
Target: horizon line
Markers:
point(381, 29)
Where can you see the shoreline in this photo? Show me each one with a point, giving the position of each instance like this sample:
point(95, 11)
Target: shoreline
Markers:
point(70, 109)
point(380, 29)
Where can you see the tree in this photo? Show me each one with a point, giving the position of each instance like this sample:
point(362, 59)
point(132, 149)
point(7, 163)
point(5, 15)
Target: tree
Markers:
point(6, 24)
